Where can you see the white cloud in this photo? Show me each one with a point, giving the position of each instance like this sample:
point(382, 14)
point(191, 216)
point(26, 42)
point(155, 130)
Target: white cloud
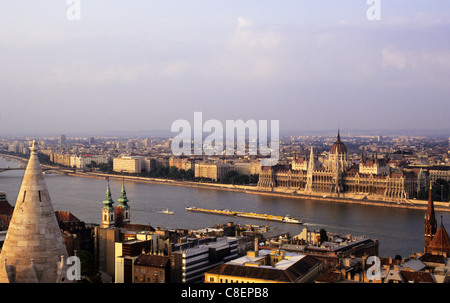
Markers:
point(417, 59)
point(419, 20)
point(249, 38)
point(394, 58)
point(242, 23)
point(251, 53)
point(84, 72)
point(176, 68)
point(441, 59)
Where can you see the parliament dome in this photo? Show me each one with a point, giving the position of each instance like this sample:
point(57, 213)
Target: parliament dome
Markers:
point(338, 147)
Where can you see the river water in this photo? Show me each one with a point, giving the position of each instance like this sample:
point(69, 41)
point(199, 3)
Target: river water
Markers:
point(399, 231)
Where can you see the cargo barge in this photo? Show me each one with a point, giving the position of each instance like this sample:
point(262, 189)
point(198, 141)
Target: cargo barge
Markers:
point(226, 212)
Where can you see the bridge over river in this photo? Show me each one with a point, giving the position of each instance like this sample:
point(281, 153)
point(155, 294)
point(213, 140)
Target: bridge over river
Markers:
point(25, 161)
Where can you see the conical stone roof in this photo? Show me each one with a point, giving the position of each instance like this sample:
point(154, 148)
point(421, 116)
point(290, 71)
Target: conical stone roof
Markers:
point(33, 241)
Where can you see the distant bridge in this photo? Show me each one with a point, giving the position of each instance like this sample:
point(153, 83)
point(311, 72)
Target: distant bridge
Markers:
point(44, 168)
point(25, 161)
point(2, 169)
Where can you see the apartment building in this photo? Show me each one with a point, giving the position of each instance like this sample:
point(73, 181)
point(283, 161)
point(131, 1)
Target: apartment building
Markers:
point(182, 163)
point(82, 160)
point(133, 164)
point(214, 171)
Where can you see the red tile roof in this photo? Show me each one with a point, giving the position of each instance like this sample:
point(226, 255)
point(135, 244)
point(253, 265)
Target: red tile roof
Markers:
point(152, 261)
point(417, 276)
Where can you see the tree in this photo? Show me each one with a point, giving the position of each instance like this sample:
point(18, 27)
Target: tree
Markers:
point(233, 177)
point(323, 235)
point(88, 267)
point(422, 195)
point(440, 190)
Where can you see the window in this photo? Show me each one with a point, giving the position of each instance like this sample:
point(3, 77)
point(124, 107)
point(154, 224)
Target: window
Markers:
point(39, 192)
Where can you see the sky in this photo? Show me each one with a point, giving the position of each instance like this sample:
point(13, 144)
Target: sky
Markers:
point(141, 65)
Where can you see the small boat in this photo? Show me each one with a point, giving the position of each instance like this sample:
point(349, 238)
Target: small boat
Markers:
point(289, 219)
point(167, 212)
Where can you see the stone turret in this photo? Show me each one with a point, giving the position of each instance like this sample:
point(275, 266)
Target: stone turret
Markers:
point(33, 247)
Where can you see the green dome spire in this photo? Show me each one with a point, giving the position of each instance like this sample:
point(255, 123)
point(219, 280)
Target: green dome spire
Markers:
point(123, 200)
point(108, 200)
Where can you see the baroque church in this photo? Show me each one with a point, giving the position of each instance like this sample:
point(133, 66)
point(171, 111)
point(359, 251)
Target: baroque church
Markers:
point(115, 216)
point(338, 177)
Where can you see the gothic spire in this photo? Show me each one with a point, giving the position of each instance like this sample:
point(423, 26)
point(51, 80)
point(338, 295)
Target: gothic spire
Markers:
point(430, 224)
point(311, 164)
point(430, 207)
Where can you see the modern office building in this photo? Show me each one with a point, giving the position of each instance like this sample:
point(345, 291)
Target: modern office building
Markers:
point(188, 265)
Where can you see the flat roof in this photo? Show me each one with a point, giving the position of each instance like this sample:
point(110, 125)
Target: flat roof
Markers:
point(286, 262)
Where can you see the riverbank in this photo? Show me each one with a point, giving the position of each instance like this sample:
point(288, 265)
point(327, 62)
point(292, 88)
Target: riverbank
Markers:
point(412, 204)
point(417, 204)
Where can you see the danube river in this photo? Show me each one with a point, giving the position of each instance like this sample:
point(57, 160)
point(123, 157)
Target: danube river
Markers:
point(399, 231)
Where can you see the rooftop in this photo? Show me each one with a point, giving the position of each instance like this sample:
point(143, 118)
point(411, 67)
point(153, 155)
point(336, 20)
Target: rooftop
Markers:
point(288, 259)
point(290, 268)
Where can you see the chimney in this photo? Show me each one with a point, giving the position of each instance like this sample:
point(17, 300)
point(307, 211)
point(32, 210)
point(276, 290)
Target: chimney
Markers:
point(256, 246)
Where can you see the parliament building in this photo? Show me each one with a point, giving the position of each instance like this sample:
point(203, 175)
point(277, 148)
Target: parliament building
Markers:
point(371, 179)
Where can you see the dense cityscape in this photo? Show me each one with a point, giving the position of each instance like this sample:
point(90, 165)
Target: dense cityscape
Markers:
point(211, 150)
point(118, 250)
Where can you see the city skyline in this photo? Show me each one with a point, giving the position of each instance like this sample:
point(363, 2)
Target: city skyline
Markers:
point(138, 66)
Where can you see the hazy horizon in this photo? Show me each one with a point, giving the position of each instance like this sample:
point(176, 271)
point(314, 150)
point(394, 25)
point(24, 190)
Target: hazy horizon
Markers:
point(437, 133)
point(136, 66)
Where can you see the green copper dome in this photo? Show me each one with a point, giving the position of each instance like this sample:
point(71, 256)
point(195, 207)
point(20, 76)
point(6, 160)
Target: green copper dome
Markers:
point(108, 200)
point(123, 200)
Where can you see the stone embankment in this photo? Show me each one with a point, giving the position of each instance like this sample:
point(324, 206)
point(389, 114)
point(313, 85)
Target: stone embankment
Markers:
point(409, 204)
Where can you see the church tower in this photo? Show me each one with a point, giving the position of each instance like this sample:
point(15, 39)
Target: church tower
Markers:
point(123, 209)
point(440, 245)
point(430, 224)
point(34, 249)
point(108, 211)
